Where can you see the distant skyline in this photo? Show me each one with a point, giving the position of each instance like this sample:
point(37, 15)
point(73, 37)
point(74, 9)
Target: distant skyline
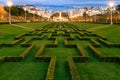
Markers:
point(61, 4)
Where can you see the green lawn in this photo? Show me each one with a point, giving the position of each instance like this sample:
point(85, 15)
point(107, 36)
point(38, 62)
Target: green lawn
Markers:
point(11, 51)
point(98, 71)
point(23, 71)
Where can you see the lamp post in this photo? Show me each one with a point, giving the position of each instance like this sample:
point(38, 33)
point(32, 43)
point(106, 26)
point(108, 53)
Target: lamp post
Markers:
point(25, 15)
point(9, 3)
point(33, 16)
point(111, 4)
point(86, 16)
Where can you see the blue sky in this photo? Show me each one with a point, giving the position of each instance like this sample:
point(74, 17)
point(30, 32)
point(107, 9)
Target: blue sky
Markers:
point(61, 2)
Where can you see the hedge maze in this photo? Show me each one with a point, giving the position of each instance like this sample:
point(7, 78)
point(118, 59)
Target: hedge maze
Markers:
point(62, 45)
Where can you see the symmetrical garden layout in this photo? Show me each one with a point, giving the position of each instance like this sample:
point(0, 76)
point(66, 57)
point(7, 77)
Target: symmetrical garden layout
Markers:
point(59, 51)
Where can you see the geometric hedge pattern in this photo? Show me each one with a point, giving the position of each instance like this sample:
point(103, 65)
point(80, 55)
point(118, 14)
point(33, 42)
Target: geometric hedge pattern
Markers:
point(61, 45)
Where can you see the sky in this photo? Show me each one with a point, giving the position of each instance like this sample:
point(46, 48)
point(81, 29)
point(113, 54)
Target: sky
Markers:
point(60, 2)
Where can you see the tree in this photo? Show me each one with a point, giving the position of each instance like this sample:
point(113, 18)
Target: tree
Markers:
point(118, 8)
point(85, 15)
point(16, 11)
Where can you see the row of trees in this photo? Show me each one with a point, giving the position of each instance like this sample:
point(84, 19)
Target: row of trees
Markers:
point(103, 17)
point(18, 14)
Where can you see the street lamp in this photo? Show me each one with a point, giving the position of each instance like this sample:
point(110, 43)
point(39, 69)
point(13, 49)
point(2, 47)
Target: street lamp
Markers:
point(9, 3)
point(86, 16)
point(33, 15)
point(111, 4)
point(25, 15)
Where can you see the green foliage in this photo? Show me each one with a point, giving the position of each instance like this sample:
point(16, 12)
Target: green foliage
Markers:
point(118, 8)
point(16, 11)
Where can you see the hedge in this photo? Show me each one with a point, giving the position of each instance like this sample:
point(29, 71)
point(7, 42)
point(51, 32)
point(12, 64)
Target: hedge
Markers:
point(13, 58)
point(51, 69)
point(73, 70)
point(110, 59)
point(27, 41)
point(56, 41)
point(96, 52)
point(95, 43)
point(16, 41)
point(82, 51)
point(39, 34)
point(71, 36)
point(81, 38)
point(69, 45)
point(2, 59)
point(78, 59)
point(80, 33)
point(20, 36)
point(114, 45)
point(108, 44)
point(51, 45)
point(1, 44)
point(26, 45)
point(105, 42)
point(101, 37)
point(27, 51)
point(50, 37)
point(33, 32)
point(40, 51)
point(43, 58)
point(39, 38)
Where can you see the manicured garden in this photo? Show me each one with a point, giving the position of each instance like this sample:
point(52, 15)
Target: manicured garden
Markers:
point(59, 51)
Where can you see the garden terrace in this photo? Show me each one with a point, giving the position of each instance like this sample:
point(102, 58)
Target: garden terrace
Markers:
point(59, 51)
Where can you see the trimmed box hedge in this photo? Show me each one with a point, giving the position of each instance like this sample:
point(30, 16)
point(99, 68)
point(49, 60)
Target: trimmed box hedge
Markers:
point(95, 51)
point(80, 38)
point(43, 58)
point(17, 41)
point(27, 41)
point(104, 42)
point(82, 51)
point(40, 51)
point(27, 51)
point(50, 37)
point(26, 45)
point(95, 43)
point(110, 59)
point(99, 36)
point(13, 58)
point(73, 70)
point(51, 69)
point(1, 44)
point(2, 59)
point(78, 59)
point(20, 36)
